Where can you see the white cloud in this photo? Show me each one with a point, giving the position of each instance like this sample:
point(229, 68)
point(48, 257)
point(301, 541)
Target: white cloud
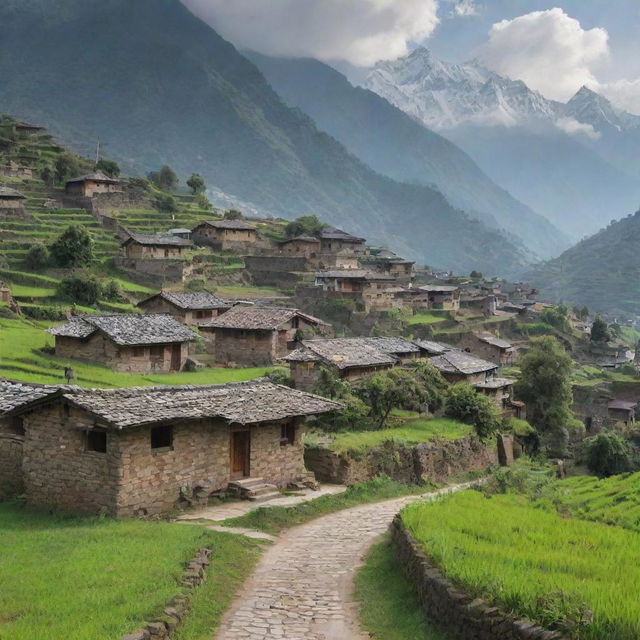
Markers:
point(464, 8)
point(624, 94)
point(573, 127)
point(548, 50)
point(359, 31)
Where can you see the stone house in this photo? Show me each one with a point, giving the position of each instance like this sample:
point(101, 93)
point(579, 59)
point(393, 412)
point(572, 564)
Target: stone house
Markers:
point(622, 411)
point(141, 246)
point(301, 246)
point(188, 307)
point(139, 451)
point(335, 241)
point(486, 345)
point(5, 293)
point(226, 235)
point(130, 343)
point(11, 201)
point(440, 297)
point(92, 184)
point(255, 335)
point(459, 366)
point(370, 288)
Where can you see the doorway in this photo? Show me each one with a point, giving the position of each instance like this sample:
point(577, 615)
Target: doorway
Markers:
point(240, 454)
point(176, 357)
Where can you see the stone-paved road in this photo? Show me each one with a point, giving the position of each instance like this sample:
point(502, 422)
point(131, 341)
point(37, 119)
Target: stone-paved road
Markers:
point(301, 589)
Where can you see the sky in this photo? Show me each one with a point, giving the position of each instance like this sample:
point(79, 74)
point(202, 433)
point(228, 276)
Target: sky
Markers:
point(553, 46)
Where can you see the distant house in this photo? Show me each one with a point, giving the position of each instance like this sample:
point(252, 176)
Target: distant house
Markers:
point(352, 358)
point(622, 411)
point(148, 343)
point(156, 247)
point(459, 366)
point(486, 345)
point(368, 287)
point(301, 246)
point(189, 307)
point(138, 451)
point(255, 335)
point(92, 184)
point(27, 127)
point(11, 201)
point(441, 297)
point(431, 348)
point(388, 262)
point(181, 233)
point(337, 241)
point(225, 235)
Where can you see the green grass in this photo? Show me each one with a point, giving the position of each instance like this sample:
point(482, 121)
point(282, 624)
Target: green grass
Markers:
point(98, 579)
point(410, 433)
point(26, 291)
point(426, 318)
point(533, 562)
point(388, 606)
point(275, 519)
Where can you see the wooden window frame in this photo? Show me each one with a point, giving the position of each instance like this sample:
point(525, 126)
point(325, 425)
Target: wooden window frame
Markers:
point(287, 434)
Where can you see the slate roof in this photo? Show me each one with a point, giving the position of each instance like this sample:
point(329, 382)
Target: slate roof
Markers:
point(344, 353)
point(489, 338)
point(494, 383)
point(301, 239)
point(622, 404)
point(392, 345)
point(128, 329)
point(255, 317)
point(96, 176)
point(14, 396)
point(7, 193)
point(238, 225)
point(461, 362)
point(338, 234)
point(240, 402)
point(354, 274)
point(438, 288)
point(433, 348)
point(154, 240)
point(190, 300)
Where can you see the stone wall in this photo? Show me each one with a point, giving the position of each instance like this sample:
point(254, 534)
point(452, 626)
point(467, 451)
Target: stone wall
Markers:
point(277, 463)
point(483, 350)
point(156, 271)
point(411, 465)
point(455, 611)
point(11, 444)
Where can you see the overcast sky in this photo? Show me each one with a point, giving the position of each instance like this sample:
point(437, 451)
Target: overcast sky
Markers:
point(555, 47)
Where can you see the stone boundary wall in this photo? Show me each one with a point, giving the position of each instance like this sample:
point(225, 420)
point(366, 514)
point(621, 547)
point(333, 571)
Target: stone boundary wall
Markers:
point(164, 626)
point(455, 611)
point(436, 460)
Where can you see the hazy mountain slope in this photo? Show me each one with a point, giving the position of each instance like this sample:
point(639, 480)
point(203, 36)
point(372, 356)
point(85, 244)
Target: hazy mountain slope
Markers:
point(602, 271)
point(158, 85)
point(395, 144)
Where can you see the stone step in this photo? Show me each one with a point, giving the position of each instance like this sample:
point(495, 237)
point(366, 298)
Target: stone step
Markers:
point(261, 490)
point(246, 483)
point(265, 496)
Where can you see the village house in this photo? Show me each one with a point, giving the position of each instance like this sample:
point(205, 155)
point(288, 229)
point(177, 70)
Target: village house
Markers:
point(440, 297)
point(141, 246)
point(27, 128)
point(256, 335)
point(147, 450)
point(485, 345)
point(301, 246)
point(459, 366)
point(92, 184)
point(129, 343)
point(431, 348)
point(622, 411)
point(189, 307)
point(388, 262)
point(225, 235)
point(11, 201)
point(340, 250)
point(15, 170)
point(370, 288)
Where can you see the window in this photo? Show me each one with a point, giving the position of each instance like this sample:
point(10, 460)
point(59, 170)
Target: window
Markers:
point(16, 426)
point(203, 313)
point(162, 437)
point(295, 323)
point(157, 351)
point(138, 352)
point(287, 434)
point(96, 440)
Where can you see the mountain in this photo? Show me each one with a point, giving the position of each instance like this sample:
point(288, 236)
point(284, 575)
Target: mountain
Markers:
point(575, 163)
point(602, 271)
point(391, 142)
point(157, 85)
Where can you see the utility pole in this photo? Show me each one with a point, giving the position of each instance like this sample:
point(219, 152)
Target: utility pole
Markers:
point(97, 153)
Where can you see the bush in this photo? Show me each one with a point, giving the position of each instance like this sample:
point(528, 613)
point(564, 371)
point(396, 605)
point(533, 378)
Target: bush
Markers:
point(278, 376)
point(81, 289)
point(73, 248)
point(304, 225)
point(203, 202)
point(112, 292)
point(608, 453)
point(233, 214)
point(165, 179)
point(465, 404)
point(165, 203)
point(109, 167)
point(44, 313)
point(37, 257)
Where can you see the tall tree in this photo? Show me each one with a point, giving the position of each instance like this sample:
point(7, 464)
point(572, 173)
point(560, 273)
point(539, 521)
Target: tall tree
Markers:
point(196, 183)
point(109, 167)
point(165, 179)
point(600, 331)
point(73, 248)
point(464, 403)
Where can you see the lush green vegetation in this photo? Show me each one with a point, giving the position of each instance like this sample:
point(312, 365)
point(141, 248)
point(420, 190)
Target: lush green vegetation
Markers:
point(535, 563)
point(100, 578)
point(427, 318)
point(275, 519)
point(389, 608)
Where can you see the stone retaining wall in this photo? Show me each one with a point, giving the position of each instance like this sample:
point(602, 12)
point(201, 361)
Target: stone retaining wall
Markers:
point(455, 611)
point(436, 460)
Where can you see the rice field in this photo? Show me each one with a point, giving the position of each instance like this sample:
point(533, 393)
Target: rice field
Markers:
point(580, 577)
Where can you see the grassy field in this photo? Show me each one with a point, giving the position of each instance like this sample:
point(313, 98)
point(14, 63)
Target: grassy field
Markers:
point(20, 359)
point(388, 606)
point(536, 563)
point(97, 579)
point(427, 318)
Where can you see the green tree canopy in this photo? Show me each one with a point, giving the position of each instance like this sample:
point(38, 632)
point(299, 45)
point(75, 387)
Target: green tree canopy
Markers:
point(196, 183)
point(545, 386)
point(73, 248)
point(165, 179)
point(233, 214)
point(80, 288)
point(37, 257)
point(608, 453)
point(433, 383)
point(304, 226)
point(67, 166)
point(600, 331)
point(109, 167)
point(165, 203)
point(464, 403)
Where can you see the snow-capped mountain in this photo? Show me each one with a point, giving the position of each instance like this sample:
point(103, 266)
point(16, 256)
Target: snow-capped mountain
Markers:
point(589, 107)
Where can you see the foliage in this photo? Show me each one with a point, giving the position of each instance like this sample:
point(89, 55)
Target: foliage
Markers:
point(80, 288)
point(112, 292)
point(73, 248)
point(281, 376)
point(233, 214)
point(354, 414)
point(165, 203)
point(464, 403)
point(608, 453)
point(433, 383)
point(556, 317)
point(534, 563)
point(304, 226)
point(203, 202)
point(476, 275)
point(545, 387)
point(67, 166)
point(37, 257)
point(48, 175)
point(165, 179)
point(109, 167)
point(196, 183)
point(600, 331)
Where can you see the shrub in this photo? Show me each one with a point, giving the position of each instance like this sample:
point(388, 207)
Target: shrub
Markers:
point(196, 183)
point(165, 179)
point(82, 289)
point(465, 404)
point(608, 453)
point(233, 214)
point(203, 202)
point(109, 167)
point(44, 313)
point(37, 257)
point(279, 376)
point(165, 203)
point(112, 292)
point(304, 225)
point(73, 248)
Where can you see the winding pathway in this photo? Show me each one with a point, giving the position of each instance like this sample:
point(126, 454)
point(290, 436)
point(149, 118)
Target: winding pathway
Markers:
point(301, 589)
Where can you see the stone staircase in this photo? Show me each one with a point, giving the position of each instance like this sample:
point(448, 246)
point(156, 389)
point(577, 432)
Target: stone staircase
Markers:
point(254, 489)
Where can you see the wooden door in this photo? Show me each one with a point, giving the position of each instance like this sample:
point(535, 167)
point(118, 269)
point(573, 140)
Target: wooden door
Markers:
point(240, 454)
point(176, 357)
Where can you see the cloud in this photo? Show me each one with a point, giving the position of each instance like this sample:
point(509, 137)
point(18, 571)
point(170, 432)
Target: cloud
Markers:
point(573, 127)
point(463, 8)
point(624, 94)
point(548, 50)
point(358, 31)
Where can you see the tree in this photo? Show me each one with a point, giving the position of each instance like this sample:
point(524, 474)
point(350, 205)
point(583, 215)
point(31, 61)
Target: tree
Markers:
point(73, 248)
point(37, 257)
point(109, 167)
point(66, 166)
point(608, 453)
point(464, 403)
point(112, 292)
point(433, 383)
point(203, 202)
point(165, 203)
point(80, 288)
point(556, 317)
point(48, 175)
point(196, 183)
point(304, 226)
point(233, 214)
point(545, 386)
point(165, 179)
point(354, 413)
point(600, 331)
point(476, 275)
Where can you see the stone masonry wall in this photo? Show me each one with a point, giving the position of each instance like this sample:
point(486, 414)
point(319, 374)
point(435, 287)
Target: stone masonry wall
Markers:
point(248, 348)
point(277, 464)
point(11, 444)
point(459, 614)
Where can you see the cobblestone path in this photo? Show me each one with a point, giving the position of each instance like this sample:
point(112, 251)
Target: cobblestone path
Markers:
point(301, 589)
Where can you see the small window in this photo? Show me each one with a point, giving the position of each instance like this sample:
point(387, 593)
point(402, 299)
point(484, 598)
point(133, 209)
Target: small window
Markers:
point(16, 426)
point(295, 323)
point(162, 437)
point(157, 351)
point(287, 434)
point(96, 440)
point(138, 352)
